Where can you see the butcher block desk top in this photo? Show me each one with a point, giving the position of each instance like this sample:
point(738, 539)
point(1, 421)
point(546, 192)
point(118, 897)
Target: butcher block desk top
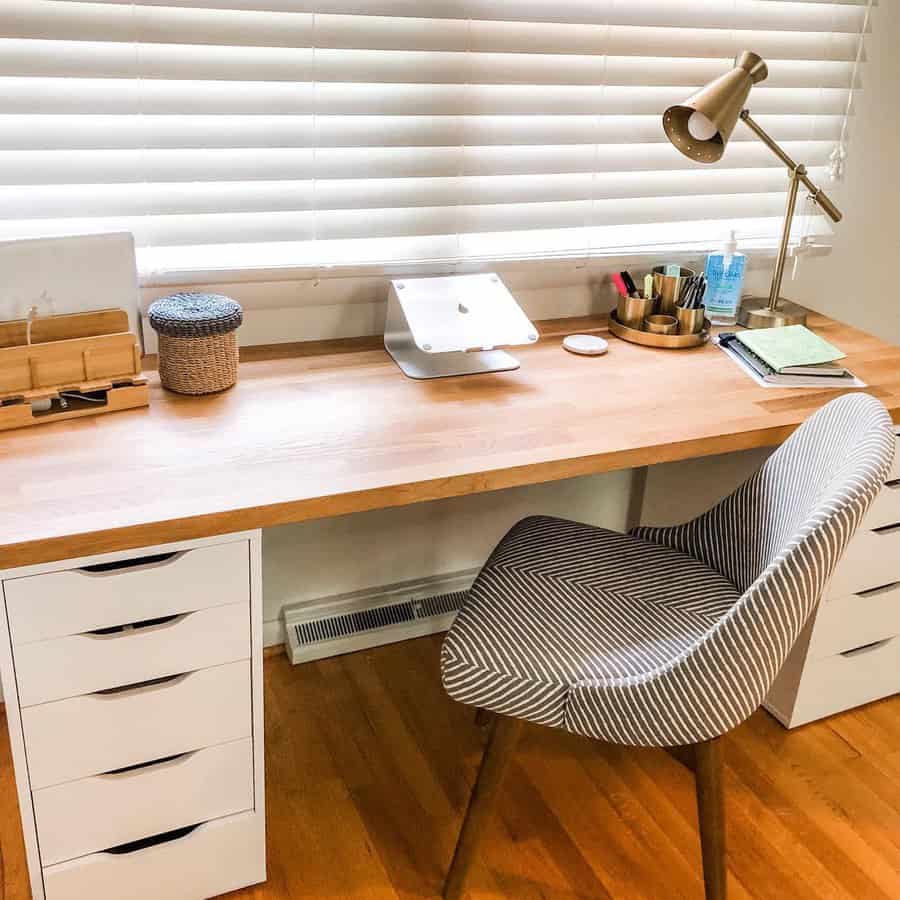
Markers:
point(327, 428)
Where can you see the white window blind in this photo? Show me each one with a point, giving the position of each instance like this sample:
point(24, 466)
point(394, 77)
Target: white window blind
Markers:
point(235, 134)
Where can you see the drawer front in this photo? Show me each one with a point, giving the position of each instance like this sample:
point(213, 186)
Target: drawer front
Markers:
point(843, 623)
point(872, 560)
point(57, 604)
point(847, 680)
point(886, 508)
point(92, 814)
point(217, 857)
point(84, 663)
point(70, 739)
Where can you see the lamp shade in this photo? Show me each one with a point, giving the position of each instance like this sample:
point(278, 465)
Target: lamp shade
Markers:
point(701, 126)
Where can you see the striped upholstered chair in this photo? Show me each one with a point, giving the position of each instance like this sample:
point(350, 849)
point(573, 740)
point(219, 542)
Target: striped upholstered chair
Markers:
point(666, 637)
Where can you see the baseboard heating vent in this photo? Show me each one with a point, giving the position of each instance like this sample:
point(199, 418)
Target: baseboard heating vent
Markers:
point(362, 620)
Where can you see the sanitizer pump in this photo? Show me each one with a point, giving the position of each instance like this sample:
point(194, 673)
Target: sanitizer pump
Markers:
point(725, 278)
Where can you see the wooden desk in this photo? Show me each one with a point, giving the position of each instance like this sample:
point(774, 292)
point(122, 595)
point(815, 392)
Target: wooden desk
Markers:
point(327, 428)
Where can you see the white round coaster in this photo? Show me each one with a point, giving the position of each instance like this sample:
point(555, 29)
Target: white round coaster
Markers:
point(585, 344)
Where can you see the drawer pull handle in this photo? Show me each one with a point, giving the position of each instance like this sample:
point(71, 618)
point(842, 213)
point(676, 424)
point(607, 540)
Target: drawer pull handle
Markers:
point(117, 631)
point(140, 767)
point(165, 681)
point(110, 568)
point(886, 529)
point(142, 844)
point(881, 589)
point(866, 648)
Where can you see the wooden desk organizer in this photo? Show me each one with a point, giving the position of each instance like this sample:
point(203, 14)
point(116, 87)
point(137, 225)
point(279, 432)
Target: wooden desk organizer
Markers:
point(85, 364)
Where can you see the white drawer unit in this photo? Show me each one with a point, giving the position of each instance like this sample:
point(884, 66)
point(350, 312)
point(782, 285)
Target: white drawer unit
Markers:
point(93, 814)
point(849, 652)
point(209, 860)
point(872, 560)
point(113, 593)
point(137, 652)
point(97, 733)
point(855, 620)
point(133, 683)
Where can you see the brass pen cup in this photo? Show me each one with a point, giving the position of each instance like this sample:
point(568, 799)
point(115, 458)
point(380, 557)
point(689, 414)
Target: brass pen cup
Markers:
point(632, 311)
point(660, 324)
point(669, 287)
point(690, 321)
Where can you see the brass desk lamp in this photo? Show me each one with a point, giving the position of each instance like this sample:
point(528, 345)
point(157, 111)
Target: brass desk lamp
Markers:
point(700, 128)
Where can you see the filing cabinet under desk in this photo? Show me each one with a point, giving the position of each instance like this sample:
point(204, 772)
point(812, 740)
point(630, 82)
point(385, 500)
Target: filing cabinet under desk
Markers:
point(133, 685)
point(849, 652)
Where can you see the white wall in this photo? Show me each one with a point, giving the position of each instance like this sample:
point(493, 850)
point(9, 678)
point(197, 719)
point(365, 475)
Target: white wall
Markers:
point(364, 550)
point(857, 283)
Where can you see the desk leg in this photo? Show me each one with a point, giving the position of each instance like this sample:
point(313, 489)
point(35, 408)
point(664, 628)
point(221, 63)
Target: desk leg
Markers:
point(636, 497)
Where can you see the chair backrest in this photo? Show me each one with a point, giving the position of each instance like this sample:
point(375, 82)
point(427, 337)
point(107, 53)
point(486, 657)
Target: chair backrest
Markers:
point(777, 539)
point(835, 462)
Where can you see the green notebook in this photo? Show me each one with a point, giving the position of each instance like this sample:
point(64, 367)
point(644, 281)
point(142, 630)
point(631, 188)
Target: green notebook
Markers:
point(792, 345)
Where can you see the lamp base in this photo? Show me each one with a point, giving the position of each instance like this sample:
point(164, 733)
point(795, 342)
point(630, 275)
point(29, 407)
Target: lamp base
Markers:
point(755, 313)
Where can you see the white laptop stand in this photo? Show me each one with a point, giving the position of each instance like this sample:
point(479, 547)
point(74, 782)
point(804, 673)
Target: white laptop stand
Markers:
point(451, 325)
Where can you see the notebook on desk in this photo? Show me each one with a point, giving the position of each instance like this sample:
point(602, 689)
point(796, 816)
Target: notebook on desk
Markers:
point(793, 349)
point(824, 375)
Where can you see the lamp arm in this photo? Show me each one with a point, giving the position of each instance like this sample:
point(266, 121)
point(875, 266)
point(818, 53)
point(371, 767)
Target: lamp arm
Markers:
point(817, 194)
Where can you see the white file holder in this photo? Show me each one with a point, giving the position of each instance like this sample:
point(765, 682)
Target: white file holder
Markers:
point(453, 324)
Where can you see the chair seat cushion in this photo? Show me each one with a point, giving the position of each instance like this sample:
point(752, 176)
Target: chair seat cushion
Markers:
point(560, 604)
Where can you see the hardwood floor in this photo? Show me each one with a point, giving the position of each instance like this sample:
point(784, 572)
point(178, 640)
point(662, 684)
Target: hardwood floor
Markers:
point(369, 767)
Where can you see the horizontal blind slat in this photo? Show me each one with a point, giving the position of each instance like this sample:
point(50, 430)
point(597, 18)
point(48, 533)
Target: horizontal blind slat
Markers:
point(72, 201)
point(164, 231)
point(169, 25)
point(103, 96)
point(436, 250)
point(98, 132)
point(786, 16)
point(124, 166)
point(74, 59)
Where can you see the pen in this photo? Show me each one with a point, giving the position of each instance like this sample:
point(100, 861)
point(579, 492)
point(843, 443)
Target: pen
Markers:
point(702, 295)
point(620, 284)
point(684, 300)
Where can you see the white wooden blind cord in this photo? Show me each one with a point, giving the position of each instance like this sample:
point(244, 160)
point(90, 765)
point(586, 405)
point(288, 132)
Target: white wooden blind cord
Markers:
point(319, 134)
point(837, 162)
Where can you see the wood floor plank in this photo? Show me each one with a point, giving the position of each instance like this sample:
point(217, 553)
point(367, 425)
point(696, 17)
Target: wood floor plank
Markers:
point(369, 766)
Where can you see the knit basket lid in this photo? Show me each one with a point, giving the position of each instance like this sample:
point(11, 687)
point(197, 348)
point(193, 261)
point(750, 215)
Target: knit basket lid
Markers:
point(195, 314)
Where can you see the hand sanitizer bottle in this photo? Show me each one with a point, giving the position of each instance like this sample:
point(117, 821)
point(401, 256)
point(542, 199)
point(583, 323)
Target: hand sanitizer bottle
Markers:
point(725, 277)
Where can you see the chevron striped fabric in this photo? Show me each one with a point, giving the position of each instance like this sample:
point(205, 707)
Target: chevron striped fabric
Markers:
point(669, 636)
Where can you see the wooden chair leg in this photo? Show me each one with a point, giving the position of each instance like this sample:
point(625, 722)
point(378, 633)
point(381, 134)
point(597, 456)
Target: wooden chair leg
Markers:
point(711, 812)
point(501, 744)
point(482, 717)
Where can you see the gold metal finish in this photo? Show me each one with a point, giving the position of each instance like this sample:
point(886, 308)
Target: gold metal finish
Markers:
point(756, 312)
point(669, 287)
point(661, 324)
point(775, 311)
point(665, 341)
point(721, 102)
point(632, 311)
point(821, 198)
point(690, 321)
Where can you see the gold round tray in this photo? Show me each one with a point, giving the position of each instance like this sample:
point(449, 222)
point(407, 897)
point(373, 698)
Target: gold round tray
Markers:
point(668, 341)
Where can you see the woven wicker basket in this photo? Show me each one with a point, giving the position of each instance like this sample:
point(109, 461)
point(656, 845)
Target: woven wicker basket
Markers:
point(198, 352)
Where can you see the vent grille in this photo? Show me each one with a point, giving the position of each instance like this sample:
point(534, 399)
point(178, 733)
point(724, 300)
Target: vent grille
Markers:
point(441, 604)
point(335, 628)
